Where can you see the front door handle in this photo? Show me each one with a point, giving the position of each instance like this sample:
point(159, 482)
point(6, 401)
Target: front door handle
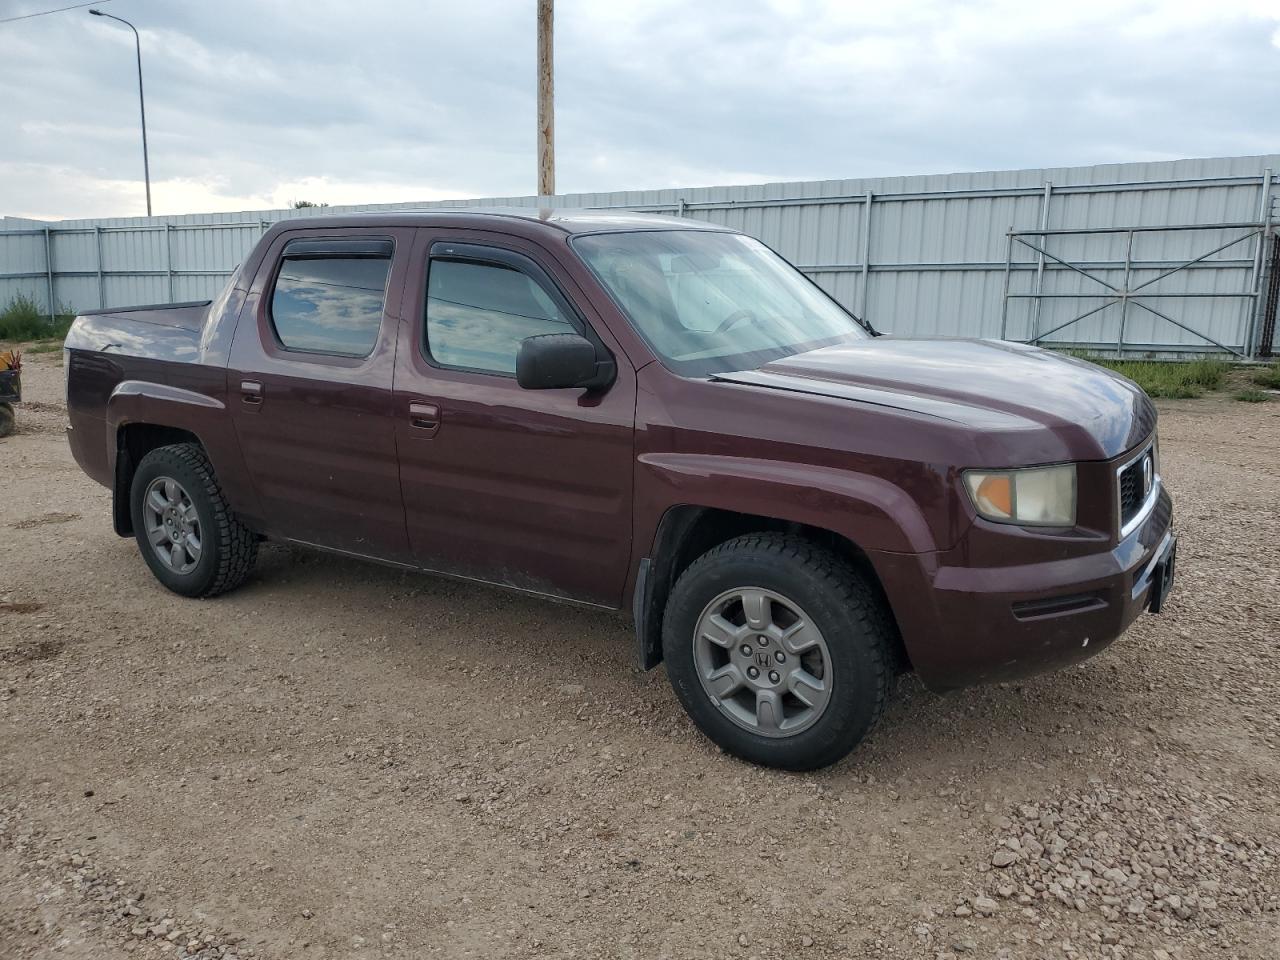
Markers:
point(251, 393)
point(424, 417)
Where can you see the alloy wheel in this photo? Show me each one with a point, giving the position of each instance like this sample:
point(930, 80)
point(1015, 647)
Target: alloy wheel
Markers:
point(173, 526)
point(763, 661)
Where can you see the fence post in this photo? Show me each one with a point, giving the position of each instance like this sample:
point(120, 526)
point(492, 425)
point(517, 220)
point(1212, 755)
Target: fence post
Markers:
point(168, 256)
point(1004, 303)
point(48, 272)
point(102, 290)
point(866, 258)
point(1264, 216)
point(1044, 241)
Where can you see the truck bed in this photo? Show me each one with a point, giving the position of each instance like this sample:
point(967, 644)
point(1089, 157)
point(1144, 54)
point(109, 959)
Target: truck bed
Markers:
point(162, 331)
point(124, 364)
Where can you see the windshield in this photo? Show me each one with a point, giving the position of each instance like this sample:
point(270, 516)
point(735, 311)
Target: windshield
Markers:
point(710, 302)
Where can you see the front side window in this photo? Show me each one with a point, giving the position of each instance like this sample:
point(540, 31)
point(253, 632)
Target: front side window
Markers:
point(477, 314)
point(330, 305)
point(710, 302)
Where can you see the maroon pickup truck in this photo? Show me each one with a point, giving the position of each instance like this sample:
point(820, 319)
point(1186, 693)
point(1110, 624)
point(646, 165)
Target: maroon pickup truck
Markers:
point(638, 413)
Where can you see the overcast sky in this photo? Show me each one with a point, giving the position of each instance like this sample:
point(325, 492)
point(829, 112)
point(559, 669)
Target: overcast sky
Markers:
point(251, 105)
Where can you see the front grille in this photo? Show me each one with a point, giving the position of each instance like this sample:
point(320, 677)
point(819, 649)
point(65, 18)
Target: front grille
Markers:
point(1130, 491)
point(1135, 483)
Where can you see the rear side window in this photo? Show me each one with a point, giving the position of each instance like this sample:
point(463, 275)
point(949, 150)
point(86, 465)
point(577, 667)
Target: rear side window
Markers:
point(477, 314)
point(330, 304)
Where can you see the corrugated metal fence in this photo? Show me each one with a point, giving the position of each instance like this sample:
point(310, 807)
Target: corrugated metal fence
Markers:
point(1162, 257)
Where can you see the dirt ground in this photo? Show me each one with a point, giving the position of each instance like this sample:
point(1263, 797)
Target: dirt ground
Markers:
point(339, 760)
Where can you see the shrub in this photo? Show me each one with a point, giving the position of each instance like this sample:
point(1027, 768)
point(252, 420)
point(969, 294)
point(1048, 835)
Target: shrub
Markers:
point(1175, 379)
point(23, 319)
point(1268, 378)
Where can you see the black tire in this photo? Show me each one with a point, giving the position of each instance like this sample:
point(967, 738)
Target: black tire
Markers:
point(228, 548)
point(6, 420)
point(849, 613)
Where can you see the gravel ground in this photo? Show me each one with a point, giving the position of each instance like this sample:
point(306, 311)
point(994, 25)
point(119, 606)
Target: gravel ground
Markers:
point(340, 760)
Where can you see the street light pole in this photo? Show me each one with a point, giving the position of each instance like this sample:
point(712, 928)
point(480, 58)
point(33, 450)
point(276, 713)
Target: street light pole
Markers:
point(142, 103)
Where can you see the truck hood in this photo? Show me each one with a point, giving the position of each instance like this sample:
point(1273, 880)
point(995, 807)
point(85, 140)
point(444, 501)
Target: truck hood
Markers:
point(984, 385)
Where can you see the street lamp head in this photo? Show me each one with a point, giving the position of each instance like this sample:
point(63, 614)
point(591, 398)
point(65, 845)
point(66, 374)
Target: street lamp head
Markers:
point(142, 107)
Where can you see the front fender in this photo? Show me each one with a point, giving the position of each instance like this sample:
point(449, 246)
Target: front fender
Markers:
point(872, 512)
point(882, 518)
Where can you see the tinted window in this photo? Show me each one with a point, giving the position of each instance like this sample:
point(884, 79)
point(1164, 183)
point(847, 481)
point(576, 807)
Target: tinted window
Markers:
point(477, 314)
point(330, 304)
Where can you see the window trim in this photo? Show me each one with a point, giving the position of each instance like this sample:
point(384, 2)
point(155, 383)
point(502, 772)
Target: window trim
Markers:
point(330, 248)
point(483, 253)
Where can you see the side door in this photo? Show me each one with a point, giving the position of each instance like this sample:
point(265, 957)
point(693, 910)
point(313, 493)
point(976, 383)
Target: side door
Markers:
point(309, 384)
point(527, 488)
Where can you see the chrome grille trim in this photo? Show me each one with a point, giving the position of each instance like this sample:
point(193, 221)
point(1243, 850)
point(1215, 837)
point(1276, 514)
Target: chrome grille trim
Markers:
point(1144, 511)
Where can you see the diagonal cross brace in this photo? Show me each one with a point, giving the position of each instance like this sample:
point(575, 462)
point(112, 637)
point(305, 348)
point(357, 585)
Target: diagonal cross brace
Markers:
point(1124, 295)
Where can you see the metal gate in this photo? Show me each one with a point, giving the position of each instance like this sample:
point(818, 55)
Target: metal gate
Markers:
point(1238, 268)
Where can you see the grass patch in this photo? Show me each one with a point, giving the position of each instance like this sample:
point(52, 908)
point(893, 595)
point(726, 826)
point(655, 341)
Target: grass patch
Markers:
point(1253, 395)
point(1269, 378)
point(1177, 380)
point(23, 319)
point(45, 346)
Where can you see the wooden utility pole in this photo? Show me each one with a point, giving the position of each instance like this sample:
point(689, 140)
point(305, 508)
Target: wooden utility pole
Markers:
point(546, 100)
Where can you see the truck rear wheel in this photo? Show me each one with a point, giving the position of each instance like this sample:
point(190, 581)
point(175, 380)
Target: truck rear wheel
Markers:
point(187, 533)
point(779, 650)
point(6, 419)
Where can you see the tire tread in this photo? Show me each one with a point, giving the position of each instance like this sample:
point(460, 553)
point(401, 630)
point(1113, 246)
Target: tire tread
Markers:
point(237, 544)
point(844, 583)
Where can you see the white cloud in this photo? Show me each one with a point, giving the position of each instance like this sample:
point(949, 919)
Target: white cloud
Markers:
point(102, 197)
point(252, 105)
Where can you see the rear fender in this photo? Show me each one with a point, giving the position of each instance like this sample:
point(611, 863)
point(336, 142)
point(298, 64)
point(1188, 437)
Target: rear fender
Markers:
point(205, 417)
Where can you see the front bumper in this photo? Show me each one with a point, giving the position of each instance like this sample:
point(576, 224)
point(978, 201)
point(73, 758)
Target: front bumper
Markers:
point(964, 625)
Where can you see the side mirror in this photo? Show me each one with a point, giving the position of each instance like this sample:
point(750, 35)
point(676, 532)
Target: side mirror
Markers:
point(557, 361)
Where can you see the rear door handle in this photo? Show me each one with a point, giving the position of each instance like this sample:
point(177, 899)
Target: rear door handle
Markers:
point(251, 393)
point(424, 417)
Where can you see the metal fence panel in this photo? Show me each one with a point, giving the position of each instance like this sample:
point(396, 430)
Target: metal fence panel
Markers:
point(920, 255)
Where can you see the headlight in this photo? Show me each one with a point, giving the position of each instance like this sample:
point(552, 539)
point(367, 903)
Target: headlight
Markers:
point(1041, 496)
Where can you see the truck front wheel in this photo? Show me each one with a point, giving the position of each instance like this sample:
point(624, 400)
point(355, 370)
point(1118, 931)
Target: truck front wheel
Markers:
point(779, 650)
point(187, 533)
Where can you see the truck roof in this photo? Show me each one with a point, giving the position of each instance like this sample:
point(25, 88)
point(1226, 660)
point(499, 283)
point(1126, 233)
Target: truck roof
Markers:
point(564, 220)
